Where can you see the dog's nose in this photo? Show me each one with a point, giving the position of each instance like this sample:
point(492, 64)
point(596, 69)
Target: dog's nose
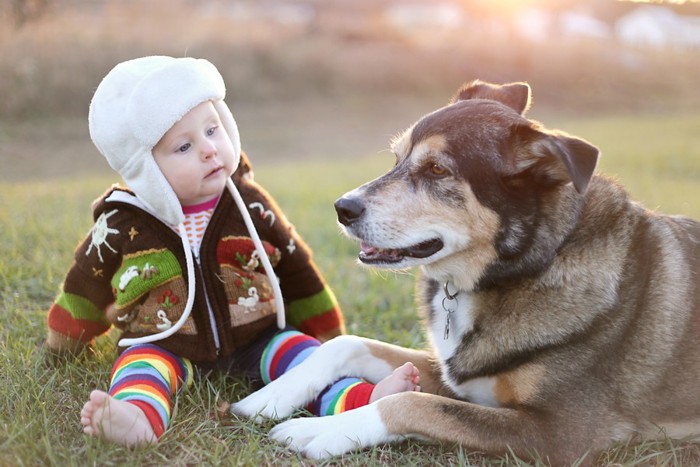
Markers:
point(348, 210)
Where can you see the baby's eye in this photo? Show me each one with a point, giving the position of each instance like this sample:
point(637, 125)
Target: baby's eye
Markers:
point(211, 130)
point(184, 147)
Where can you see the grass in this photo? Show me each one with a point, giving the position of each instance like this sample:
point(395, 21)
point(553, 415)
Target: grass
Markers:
point(41, 222)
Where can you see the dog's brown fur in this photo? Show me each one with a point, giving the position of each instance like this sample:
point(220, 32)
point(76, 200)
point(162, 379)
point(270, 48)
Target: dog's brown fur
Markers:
point(578, 321)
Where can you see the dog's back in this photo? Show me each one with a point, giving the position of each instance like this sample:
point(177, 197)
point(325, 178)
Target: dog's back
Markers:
point(635, 276)
point(652, 327)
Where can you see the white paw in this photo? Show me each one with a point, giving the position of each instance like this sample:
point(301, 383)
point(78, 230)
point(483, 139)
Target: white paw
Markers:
point(300, 385)
point(269, 402)
point(324, 437)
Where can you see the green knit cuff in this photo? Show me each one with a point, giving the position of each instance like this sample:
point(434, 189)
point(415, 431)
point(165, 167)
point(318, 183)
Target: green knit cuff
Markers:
point(79, 307)
point(315, 305)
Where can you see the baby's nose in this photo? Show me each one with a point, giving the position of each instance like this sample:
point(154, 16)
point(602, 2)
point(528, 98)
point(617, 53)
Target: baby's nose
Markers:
point(208, 150)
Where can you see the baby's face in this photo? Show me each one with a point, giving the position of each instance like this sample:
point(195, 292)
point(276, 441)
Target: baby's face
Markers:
point(196, 155)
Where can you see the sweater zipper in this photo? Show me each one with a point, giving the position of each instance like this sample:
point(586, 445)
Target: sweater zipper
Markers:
point(212, 321)
point(129, 199)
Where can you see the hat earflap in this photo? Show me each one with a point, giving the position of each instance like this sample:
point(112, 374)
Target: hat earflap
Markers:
point(154, 191)
point(231, 129)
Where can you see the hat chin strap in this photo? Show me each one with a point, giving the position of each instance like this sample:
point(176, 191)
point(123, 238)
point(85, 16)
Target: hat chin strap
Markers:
point(279, 302)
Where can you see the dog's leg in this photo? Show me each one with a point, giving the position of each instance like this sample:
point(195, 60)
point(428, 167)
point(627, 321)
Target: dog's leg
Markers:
point(420, 415)
point(335, 359)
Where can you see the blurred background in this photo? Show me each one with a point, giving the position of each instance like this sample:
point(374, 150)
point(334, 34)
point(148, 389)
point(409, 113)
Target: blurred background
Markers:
point(338, 78)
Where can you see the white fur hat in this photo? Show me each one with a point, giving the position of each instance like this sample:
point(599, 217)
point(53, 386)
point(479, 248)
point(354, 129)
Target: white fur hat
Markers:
point(136, 104)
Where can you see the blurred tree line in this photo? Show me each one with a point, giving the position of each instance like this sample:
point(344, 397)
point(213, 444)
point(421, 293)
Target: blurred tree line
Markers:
point(24, 11)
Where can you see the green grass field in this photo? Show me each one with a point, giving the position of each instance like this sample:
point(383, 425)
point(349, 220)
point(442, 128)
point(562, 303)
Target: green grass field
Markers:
point(658, 158)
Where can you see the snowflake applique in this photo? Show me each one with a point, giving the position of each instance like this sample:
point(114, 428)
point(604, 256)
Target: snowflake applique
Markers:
point(99, 234)
point(291, 246)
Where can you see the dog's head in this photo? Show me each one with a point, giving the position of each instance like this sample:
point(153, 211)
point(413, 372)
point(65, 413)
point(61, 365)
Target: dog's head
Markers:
point(473, 180)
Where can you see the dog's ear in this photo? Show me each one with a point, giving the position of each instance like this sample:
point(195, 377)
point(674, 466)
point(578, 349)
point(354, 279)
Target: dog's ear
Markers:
point(514, 95)
point(552, 157)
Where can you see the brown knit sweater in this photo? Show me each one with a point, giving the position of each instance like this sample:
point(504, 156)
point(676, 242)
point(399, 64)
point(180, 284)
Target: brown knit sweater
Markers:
point(130, 272)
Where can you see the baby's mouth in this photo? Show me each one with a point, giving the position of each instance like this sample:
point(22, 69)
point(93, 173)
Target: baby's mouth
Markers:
point(215, 171)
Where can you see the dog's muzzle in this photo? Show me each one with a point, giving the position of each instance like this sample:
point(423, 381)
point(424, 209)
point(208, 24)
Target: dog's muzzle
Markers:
point(350, 210)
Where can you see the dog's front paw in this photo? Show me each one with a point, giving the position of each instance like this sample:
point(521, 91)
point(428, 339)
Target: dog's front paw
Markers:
point(266, 403)
point(324, 437)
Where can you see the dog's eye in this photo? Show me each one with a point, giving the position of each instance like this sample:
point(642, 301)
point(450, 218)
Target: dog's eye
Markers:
point(438, 170)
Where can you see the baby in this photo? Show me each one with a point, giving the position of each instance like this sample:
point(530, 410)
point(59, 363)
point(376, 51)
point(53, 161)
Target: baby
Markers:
point(194, 261)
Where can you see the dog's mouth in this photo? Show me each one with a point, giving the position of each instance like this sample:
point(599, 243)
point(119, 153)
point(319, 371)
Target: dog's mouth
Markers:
point(373, 255)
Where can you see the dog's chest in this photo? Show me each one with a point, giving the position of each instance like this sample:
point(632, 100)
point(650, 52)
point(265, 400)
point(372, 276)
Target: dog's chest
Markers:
point(446, 337)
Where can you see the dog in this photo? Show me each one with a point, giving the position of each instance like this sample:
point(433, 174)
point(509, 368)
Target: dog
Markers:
point(561, 316)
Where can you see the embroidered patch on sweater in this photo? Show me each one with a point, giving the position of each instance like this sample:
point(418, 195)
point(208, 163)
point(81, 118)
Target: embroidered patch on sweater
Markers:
point(291, 246)
point(143, 271)
point(248, 288)
point(240, 252)
point(265, 214)
point(99, 233)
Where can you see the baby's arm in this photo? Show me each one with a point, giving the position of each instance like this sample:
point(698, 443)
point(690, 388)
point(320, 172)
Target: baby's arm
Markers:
point(78, 314)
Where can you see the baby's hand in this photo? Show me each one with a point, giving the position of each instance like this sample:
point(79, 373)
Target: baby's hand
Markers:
point(56, 355)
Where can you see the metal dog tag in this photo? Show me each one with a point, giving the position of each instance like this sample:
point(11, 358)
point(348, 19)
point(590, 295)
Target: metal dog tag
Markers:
point(449, 308)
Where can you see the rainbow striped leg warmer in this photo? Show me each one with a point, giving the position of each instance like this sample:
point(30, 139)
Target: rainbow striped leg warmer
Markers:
point(147, 376)
point(289, 348)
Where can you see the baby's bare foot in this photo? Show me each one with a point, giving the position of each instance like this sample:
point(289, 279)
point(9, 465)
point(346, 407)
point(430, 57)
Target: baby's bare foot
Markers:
point(115, 420)
point(404, 378)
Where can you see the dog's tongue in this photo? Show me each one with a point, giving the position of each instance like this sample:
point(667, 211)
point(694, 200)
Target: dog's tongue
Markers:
point(368, 250)
point(371, 253)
